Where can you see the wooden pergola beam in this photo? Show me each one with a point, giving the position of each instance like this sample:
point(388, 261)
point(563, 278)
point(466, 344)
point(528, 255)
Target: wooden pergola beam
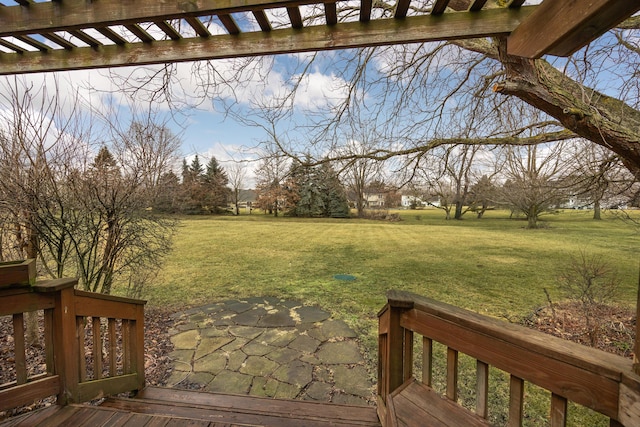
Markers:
point(322, 37)
point(560, 27)
point(413, 29)
point(77, 14)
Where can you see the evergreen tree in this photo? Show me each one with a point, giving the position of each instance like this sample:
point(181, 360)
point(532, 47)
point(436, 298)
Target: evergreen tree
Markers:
point(193, 192)
point(336, 202)
point(104, 160)
point(319, 192)
point(215, 182)
point(185, 170)
point(308, 192)
point(196, 168)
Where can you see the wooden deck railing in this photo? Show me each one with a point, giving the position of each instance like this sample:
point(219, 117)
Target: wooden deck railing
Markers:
point(78, 327)
point(601, 381)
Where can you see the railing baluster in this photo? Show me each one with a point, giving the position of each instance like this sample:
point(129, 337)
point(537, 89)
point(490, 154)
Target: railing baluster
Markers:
point(138, 341)
point(482, 389)
point(516, 400)
point(82, 362)
point(19, 348)
point(427, 361)
point(48, 342)
point(382, 372)
point(113, 347)
point(97, 347)
point(452, 374)
point(408, 355)
point(126, 346)
point(558, 411)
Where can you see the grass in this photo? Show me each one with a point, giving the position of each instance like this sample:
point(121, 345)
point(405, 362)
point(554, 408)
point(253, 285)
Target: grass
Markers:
point(494, 265)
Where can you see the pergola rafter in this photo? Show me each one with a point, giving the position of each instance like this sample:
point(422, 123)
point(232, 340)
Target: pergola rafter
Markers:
point(77, 34)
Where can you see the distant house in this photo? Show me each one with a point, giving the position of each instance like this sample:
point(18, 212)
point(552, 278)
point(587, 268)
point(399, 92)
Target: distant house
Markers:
point(374, 200)
point(574, 202)
point(409, 201)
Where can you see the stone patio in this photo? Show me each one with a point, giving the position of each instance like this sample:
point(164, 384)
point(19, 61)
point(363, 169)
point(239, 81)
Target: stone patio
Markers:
point(269, 347)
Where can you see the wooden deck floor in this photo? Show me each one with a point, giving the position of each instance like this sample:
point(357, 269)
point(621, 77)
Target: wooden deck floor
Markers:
point(169, 407)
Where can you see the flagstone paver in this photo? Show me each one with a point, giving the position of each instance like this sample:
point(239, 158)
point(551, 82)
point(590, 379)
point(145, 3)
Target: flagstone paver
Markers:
point(269, 347)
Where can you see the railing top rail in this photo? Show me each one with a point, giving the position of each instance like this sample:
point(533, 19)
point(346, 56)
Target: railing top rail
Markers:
point(594, 360)
point(114, 298)
point(54, 285)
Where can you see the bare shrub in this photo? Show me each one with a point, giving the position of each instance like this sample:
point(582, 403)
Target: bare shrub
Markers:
point(593, 282)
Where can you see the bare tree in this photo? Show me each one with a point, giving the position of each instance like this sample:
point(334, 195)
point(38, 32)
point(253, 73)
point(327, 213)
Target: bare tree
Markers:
point(600, 177)
point(273, 194)
point(536, 179)
point(448, 173)
point(77, 216)
point(40, 145)
point(147, 148)
point(483, 194)
point(237, 172)
point(35, 152)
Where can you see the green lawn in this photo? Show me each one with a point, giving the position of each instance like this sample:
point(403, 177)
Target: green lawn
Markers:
point(493, 265)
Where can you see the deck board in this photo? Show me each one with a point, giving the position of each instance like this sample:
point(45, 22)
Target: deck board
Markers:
point(298, 409)
point(157, 407)
point(245, 410)
point(417, 404)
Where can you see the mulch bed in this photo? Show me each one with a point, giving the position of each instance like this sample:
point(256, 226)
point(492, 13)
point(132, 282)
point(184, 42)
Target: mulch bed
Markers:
point(615, 331)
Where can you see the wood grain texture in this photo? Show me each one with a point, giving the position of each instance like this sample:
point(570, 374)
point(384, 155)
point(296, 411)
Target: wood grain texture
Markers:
point(583, 375)
point(77, 14)
point(558, 411)
point(418, 405)
point(516, 401)
point(562, 27)
point(288, 40)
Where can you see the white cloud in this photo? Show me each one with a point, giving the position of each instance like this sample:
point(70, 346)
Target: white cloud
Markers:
point(319, 91)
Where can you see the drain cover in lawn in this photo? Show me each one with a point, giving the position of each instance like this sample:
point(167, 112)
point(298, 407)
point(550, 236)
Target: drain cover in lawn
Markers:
point(346, 277)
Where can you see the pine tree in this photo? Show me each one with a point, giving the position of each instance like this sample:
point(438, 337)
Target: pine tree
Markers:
point(336, 203)
point(308, 195)
point(319, 192)
point(104, 160)
point(215, 182)
point(193, 192)
point(196, 169)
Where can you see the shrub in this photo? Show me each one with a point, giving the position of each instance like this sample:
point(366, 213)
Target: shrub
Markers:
point(592, 282)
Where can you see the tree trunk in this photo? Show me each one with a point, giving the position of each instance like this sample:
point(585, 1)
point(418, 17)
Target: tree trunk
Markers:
point(458, 212)
point(597, 210)
point(360, 206)
point(482, 211)
point(606, 121)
